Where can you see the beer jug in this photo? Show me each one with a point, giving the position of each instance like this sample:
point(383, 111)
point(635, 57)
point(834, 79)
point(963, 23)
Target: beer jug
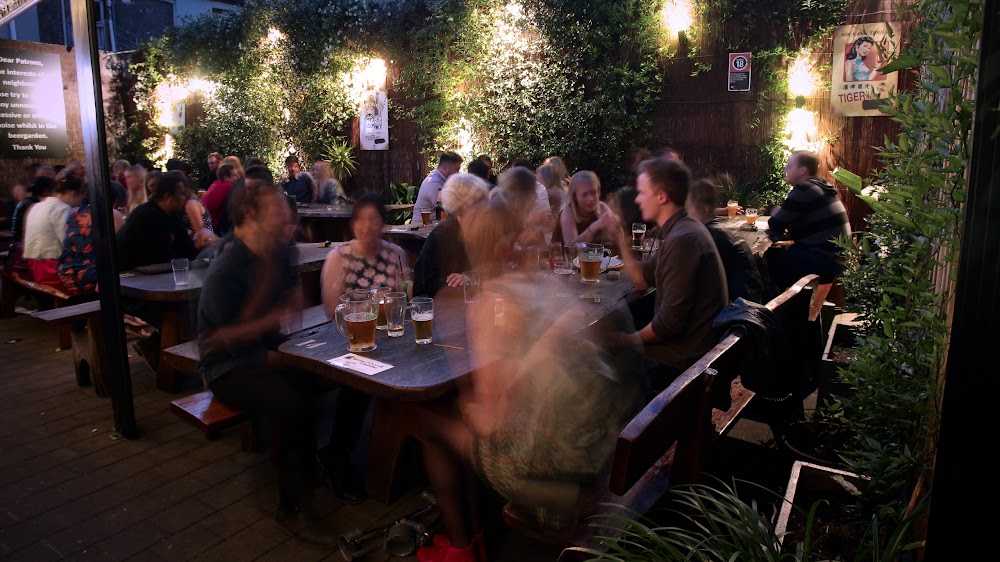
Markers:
point(356, 316)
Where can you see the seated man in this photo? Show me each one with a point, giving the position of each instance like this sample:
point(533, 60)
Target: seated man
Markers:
point(154, 233)
point(686, 271)
point(250, 288)
point(743, 270)
point(805, 226)
point(298, 184)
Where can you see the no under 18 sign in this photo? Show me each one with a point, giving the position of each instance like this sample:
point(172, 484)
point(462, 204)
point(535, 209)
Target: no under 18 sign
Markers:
point(739, 72)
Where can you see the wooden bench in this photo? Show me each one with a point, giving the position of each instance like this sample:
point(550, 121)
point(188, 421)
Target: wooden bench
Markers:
point(14, 285)
point(86, 335)
point(667, 442)
point(202, 409)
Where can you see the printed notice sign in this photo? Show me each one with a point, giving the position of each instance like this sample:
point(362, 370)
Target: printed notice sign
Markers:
point(32, 109)
point(739, 72)
point(360, 364)
point(374, 120)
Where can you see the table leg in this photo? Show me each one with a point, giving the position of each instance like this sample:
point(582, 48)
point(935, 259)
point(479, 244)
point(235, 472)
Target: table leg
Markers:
point(173, 331)
point(388, 434)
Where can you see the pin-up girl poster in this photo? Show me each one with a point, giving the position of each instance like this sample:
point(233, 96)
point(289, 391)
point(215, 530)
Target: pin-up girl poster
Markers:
point(861, 61)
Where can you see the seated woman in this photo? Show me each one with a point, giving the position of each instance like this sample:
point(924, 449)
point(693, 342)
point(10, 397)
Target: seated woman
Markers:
point(136, 184)
point(40, 188)
point(196, 218)
point(442, 258)
point(77, 267)
point(535, 415)
point(746, 276)
point(218, 192)
point(586, 218)
point(45, 230)
point(328, 188)
point(364, 263)
point(548, 177)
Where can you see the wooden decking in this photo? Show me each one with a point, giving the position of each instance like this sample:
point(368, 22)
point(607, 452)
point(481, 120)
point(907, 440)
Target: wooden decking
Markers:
point(69, 489)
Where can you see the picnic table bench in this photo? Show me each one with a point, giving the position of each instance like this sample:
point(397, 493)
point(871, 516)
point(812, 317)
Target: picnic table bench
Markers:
point(14, 285)
point(667, 441)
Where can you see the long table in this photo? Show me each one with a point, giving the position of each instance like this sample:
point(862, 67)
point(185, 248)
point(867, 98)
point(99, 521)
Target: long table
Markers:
point(331, 222)
point(426, 372)
point(176, 301)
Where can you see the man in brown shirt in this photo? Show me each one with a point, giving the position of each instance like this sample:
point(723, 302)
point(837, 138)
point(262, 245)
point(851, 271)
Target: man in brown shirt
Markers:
point(687, 272)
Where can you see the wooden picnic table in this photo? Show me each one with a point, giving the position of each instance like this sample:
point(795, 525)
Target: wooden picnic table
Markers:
point(177, 301)
point(757, 239)
point(330, 222)
point(423, 372)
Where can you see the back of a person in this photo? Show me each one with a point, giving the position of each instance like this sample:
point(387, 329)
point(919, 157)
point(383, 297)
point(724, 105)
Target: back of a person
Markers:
point(821, 216)
point(77, 267)
point(744, 278)
point(43, 229)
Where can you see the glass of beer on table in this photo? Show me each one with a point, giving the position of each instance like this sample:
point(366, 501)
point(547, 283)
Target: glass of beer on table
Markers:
point(751, 215)
point(425, 217)
point(638, 233)
point(422, 314)
point(591, 258)
point(355, 316)
point(731, 209)
point(381, 324)
point(395, 312)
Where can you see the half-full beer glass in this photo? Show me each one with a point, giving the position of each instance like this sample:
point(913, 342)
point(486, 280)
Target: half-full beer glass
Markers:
point(355, 317)
point(395, 312)
point(422, 314)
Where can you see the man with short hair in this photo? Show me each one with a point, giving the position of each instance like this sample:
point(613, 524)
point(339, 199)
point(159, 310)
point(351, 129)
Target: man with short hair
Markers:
point(298, 184)
point(806, 225)
point(687, 272)
point(214, 160)
point(153, 233)
point(430, 188)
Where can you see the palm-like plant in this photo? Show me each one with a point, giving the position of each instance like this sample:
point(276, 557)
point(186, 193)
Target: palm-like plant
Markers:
point(340, 154)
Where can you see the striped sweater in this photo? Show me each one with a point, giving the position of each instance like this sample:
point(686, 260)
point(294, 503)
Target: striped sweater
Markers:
point(813, 216)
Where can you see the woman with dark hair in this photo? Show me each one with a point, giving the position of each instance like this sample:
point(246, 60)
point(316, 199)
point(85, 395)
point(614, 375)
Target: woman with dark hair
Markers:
point(45, 230)
point(196, 218)
point(859, 67)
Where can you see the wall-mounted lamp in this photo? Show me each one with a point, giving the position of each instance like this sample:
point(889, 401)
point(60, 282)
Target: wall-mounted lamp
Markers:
point(801, 76)
point(677, 16)
point(801, 132)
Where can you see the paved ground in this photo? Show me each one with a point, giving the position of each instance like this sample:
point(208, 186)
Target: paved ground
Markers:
point(70, 489)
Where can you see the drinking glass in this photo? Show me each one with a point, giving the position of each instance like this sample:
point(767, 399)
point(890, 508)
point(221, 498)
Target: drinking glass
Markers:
point(731, 209)
point(181, 268)
point(395, 312)
point(381, 324)
point(591, 258)
point(422, 314)
point(555, 254)
point(471, 283)
point(751, 216)
point(638, 233)
point(425, 217)
point(356, 316)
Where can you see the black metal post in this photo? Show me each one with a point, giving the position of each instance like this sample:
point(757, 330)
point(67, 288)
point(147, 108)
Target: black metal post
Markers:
point(88, 74)
point(964, 479)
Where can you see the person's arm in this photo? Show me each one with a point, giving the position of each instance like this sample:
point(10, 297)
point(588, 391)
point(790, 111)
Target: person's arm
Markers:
point(426, 273)
point(119, 220)
point(675, 271)
point(332, 278)
point(183, 245)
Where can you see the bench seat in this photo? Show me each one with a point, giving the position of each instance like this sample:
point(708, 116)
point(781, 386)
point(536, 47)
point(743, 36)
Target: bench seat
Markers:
point(211, 416)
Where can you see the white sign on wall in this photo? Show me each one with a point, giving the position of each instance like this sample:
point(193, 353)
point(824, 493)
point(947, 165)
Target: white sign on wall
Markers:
point(374, 120)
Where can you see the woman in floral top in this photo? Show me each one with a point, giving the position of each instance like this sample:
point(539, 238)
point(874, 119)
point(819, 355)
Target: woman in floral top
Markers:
point(367, 261)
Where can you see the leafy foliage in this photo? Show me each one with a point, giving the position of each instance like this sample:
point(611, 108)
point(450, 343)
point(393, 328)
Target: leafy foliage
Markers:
point(914, 231)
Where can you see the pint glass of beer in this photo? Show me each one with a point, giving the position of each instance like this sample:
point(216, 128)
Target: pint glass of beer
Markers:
point(731, 209)
point(638, 233)
point(425, 217)
point(751, 216)
point(591, 258)
point(395, 312)
point(355, 317)
point(422, 314)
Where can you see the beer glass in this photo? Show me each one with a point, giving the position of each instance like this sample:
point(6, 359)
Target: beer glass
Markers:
point(381, 323)
point(395, 312)
point(422, 314)
point(638, 233)
point(555, 254)
point(355, 317)
point(471, 282)
point(751, 216)
point(425, 217)
point(731, 209)
point(591, 258)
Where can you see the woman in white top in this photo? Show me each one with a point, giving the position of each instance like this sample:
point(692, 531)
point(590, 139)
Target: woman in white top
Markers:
point(45, 230)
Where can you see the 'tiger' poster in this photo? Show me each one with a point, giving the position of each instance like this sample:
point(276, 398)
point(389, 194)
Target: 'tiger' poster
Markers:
point(859, 50)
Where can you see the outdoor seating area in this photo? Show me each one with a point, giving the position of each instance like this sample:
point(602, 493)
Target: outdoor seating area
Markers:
point(496, 280)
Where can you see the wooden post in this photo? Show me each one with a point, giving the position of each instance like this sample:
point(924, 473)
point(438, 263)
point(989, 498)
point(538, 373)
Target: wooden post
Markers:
point(88, 73)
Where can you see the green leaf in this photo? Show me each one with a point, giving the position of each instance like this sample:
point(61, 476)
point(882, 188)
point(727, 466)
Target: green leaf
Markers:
point(901, 63)
point(850, 179)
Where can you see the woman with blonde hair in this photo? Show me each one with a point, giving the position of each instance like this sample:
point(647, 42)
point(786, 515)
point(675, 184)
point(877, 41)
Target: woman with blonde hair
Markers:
point(585, 218)
point(548, 176)
point(135, 183)
point(326, 187)
point(235, 161)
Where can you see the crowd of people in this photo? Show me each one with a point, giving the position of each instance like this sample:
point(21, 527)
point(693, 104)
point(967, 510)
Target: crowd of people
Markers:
point(499, 427)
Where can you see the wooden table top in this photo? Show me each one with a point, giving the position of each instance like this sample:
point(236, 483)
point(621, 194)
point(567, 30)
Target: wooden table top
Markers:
point(427, 371)
point(407, 231)
point(160, 287)
point(757, 239)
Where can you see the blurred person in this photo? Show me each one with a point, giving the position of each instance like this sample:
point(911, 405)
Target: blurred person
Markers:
point(427, 197)
point(443, 258)
point(687, 272)
point(218, 192)
point(250, 288)
point(479, 169)
point(549, 178)
point(364, 263)
point(23, 181)
point(213, 161)
point(118, 170)
point(45, 172)
point(585, 218)
point(326, 187)
point(40, 189)
point(744, 278)
point(135, 183)
point(77, 169)
point(258, 172)
point(805, 226)
point(154, 233)
point(235, 161)
point(518, 188)
point(45, 230)
point(516, 423)
point(561, 172)
point(298, 184)
point(491, 176)
point(196, 218)
point(77, 265)
point(254, 161)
